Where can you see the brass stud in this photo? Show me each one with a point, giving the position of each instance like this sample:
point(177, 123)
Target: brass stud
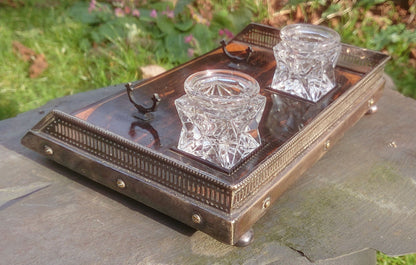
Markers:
point(266, 203)
point(196, 218)
point(48, 150)
point(327, 145)
point(372, 108)
point(370, 102)
point(392, 144)
point(121, 184)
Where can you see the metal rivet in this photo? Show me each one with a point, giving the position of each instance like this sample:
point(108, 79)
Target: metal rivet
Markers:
point(48, 150)
point(392, 144)
point(196, 218)
point(121, 184)
point(327, 144)
point(266, 203)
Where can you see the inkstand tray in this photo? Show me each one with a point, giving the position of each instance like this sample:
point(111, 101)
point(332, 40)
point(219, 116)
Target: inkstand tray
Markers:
point(111, 144)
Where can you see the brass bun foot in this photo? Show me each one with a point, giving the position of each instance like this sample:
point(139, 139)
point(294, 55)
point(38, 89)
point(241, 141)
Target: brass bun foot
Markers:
point(373, 109)
point(246, 238)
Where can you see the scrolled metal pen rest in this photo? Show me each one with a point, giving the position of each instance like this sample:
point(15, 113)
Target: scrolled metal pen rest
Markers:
point(144, 113)
point(140, 159)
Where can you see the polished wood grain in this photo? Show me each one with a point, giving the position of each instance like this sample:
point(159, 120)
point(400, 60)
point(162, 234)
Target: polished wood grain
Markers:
point(283, 117)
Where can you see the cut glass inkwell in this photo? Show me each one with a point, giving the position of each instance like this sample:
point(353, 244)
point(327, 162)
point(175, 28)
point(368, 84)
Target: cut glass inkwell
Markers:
point(306, 58)
point(220, 114)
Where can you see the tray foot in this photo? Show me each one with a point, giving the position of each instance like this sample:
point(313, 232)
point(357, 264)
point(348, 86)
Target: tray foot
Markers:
point(373, 109)
point(246, 238)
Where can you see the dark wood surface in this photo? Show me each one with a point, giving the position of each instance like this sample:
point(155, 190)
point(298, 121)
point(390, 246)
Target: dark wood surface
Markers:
point(161, 134)
point(360, 195)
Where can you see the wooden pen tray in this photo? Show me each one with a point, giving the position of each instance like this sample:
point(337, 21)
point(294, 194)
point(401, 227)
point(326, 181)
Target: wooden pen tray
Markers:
point(107, 143)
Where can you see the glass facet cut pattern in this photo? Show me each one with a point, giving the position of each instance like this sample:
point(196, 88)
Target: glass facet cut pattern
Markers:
point(305, 60)
point(220, 114)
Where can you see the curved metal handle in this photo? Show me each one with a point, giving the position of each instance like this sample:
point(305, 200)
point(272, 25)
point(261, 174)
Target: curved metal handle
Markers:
point(249, 51)
point(144, 112)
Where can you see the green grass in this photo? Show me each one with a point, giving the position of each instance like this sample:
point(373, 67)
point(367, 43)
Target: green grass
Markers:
point(383, 259)
point(89, 55)
point(71, 69)
point(44, 31)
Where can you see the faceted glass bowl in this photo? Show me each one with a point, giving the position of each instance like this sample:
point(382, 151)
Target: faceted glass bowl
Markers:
point(221, 90)
point(220, 114)
point(306, 37)
point(305, 60)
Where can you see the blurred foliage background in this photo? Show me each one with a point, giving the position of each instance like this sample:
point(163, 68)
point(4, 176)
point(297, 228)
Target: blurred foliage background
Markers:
point(50, 49)
point(387, 26)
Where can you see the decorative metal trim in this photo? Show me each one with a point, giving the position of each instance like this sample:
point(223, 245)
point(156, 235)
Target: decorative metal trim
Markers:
point(115, 150)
